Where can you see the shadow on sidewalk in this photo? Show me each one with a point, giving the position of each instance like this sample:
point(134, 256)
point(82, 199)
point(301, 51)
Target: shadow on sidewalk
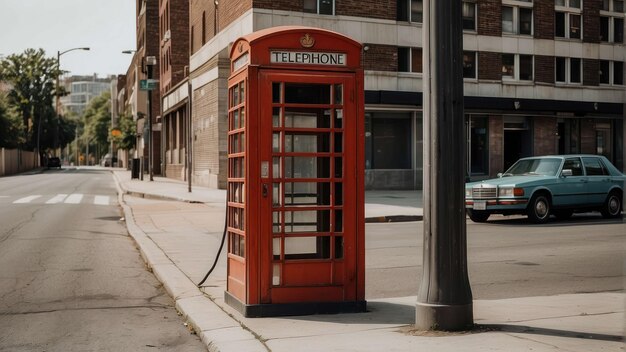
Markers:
point(377, 313)
point(524, 329)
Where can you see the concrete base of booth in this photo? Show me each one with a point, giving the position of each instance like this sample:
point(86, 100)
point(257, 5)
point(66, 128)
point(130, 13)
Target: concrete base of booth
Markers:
point(287, 309)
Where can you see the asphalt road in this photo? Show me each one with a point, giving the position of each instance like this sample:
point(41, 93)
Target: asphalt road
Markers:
point(507, 257)
point(71, 278)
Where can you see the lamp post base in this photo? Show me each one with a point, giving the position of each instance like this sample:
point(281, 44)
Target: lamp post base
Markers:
point(444, 317)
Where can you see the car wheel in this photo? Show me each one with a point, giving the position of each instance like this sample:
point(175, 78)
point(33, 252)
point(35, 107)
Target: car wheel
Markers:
point(612, 207)
point(563, 214)
point(478, 215)
point(539, 209)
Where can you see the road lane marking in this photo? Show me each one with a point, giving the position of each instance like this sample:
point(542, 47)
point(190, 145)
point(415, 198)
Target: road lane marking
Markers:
point(101, 200)
point(26, 199)
point(59, 198)
point(74, 198)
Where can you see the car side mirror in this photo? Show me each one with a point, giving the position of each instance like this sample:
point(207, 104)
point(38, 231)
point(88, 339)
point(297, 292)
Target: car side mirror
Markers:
point(499, 175)
point(566, 172)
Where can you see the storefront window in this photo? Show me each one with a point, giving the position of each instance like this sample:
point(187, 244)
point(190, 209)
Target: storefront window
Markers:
point(478, 144)
point(388, 140)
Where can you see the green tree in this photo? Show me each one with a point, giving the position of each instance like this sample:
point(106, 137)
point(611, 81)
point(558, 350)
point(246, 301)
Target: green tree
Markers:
point(97, 121)
point(32, 76)
point(128, 129)
point(11, 129)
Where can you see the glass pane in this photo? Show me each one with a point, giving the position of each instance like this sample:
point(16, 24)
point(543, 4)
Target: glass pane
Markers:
point(338, 220)
point(276, 92)
point(236, 119)
point(416, 11)
point(574, 70)
point(276, 142)
point(338, 193)
point(403, 60)
point(276, 167)
point(559, 24)
point(307, 247)
point(618, 30)
point(276, 248)
point(338, 247)
point(574, 3)
point(469, 64)
point(416, 60)
point(307, 221)
point(307, 143)
point(277, 200)
point(310, 6)
point(605, 5)
point(508, 65)
point(307, 93)
point(338, 93)
point(525, 21)
point(242, 117)
point(559, 2)
point(307, 193)
point(574, 26)
point(526, 67)
point(307, 167)
point(604, 72)
point(307, 118)
point(618, 72)
point(338, 167)
point(560, 69)
point(604, 29)
point(618, 6)
point(338, 118)
point(276, 224)
point(235, 92)
point(338, 142)
point(479, 147)
point(326, 7)
point(276, 120)
point(276, 274)
point(507, 19)
point(242, 92)
point(469, 15)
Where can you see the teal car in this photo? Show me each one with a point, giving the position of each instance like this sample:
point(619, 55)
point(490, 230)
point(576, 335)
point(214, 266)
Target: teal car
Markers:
point(558, 185)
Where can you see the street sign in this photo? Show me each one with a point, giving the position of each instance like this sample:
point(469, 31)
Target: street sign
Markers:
point(148, 84)
point(116, 132)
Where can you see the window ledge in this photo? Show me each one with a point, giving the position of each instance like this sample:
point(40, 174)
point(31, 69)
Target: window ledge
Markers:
point(514, 35)
point(516, 82)
point(564, 39)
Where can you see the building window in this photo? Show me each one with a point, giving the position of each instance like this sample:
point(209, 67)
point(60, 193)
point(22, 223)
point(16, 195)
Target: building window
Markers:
point(612, 27)
point(410, 10)
point(568, 70)
point(477, 144)
point(469, 16)
point(517, 20)
point(611, 72)
point(322, 7)
point(469, 64)
point(410, 60)
point(517, 67)
point(388, 140)
point(567, 25)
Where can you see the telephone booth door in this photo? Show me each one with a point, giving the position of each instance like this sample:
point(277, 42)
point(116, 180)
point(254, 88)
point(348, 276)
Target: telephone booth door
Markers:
point(312, 241)
point(295, 209)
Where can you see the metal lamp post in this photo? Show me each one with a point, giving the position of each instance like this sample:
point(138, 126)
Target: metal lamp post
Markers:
point(57, 105)
point(150, 62)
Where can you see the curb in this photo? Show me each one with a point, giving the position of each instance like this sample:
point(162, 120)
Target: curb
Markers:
point(216, 329)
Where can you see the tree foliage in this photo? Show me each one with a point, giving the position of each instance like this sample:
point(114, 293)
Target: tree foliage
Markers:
point(11, 127)
point(128, 129)
point(97, 120)
point(32, 77)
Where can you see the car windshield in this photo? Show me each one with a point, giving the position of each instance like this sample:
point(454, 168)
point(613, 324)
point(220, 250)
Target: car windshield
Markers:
point(539, 167)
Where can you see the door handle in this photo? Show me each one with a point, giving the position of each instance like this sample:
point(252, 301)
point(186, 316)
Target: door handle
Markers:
point(264, 190)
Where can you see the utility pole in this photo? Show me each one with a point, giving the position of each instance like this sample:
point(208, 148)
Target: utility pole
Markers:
point(444, 300)
point(189, 132)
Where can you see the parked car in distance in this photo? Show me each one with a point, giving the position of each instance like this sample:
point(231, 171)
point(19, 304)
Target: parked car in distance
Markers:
point(54, 162)
point(107, 160)
point(558, 185)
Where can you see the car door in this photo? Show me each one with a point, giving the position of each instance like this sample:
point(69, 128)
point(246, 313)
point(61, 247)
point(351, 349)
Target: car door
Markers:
point(599, 180)
point(571, 191)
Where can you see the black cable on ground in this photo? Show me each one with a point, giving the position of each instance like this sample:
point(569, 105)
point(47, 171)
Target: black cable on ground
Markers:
point(219, 251)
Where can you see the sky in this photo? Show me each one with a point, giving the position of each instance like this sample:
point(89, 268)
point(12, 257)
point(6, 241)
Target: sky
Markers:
point(107, 27)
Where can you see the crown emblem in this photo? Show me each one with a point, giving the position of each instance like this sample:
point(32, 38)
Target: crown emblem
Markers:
point(307, 41)
point(240, 47)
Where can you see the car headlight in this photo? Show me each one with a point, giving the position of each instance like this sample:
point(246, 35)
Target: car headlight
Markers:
point(468, 193)
point(510, 192)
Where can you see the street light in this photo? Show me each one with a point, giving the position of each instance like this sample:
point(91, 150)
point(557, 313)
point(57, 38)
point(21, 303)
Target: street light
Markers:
point(150, 62)
point(56, 135)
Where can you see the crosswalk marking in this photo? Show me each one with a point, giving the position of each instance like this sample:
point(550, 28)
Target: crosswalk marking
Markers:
point(59, 198)
point(26, 199)
point(74, 198)
point(101, 200)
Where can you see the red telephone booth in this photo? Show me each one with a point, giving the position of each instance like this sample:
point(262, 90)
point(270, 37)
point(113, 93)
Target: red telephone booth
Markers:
point(295, 210)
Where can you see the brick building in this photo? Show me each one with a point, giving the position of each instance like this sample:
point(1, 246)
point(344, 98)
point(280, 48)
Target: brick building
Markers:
point(541, 77)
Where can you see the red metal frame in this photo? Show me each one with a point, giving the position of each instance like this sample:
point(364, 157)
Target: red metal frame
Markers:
point(255, 143)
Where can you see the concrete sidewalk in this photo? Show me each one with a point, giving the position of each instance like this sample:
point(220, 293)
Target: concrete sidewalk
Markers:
point(179, 240)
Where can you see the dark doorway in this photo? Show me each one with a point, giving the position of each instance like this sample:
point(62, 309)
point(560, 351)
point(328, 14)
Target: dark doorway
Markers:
point(517, 144)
